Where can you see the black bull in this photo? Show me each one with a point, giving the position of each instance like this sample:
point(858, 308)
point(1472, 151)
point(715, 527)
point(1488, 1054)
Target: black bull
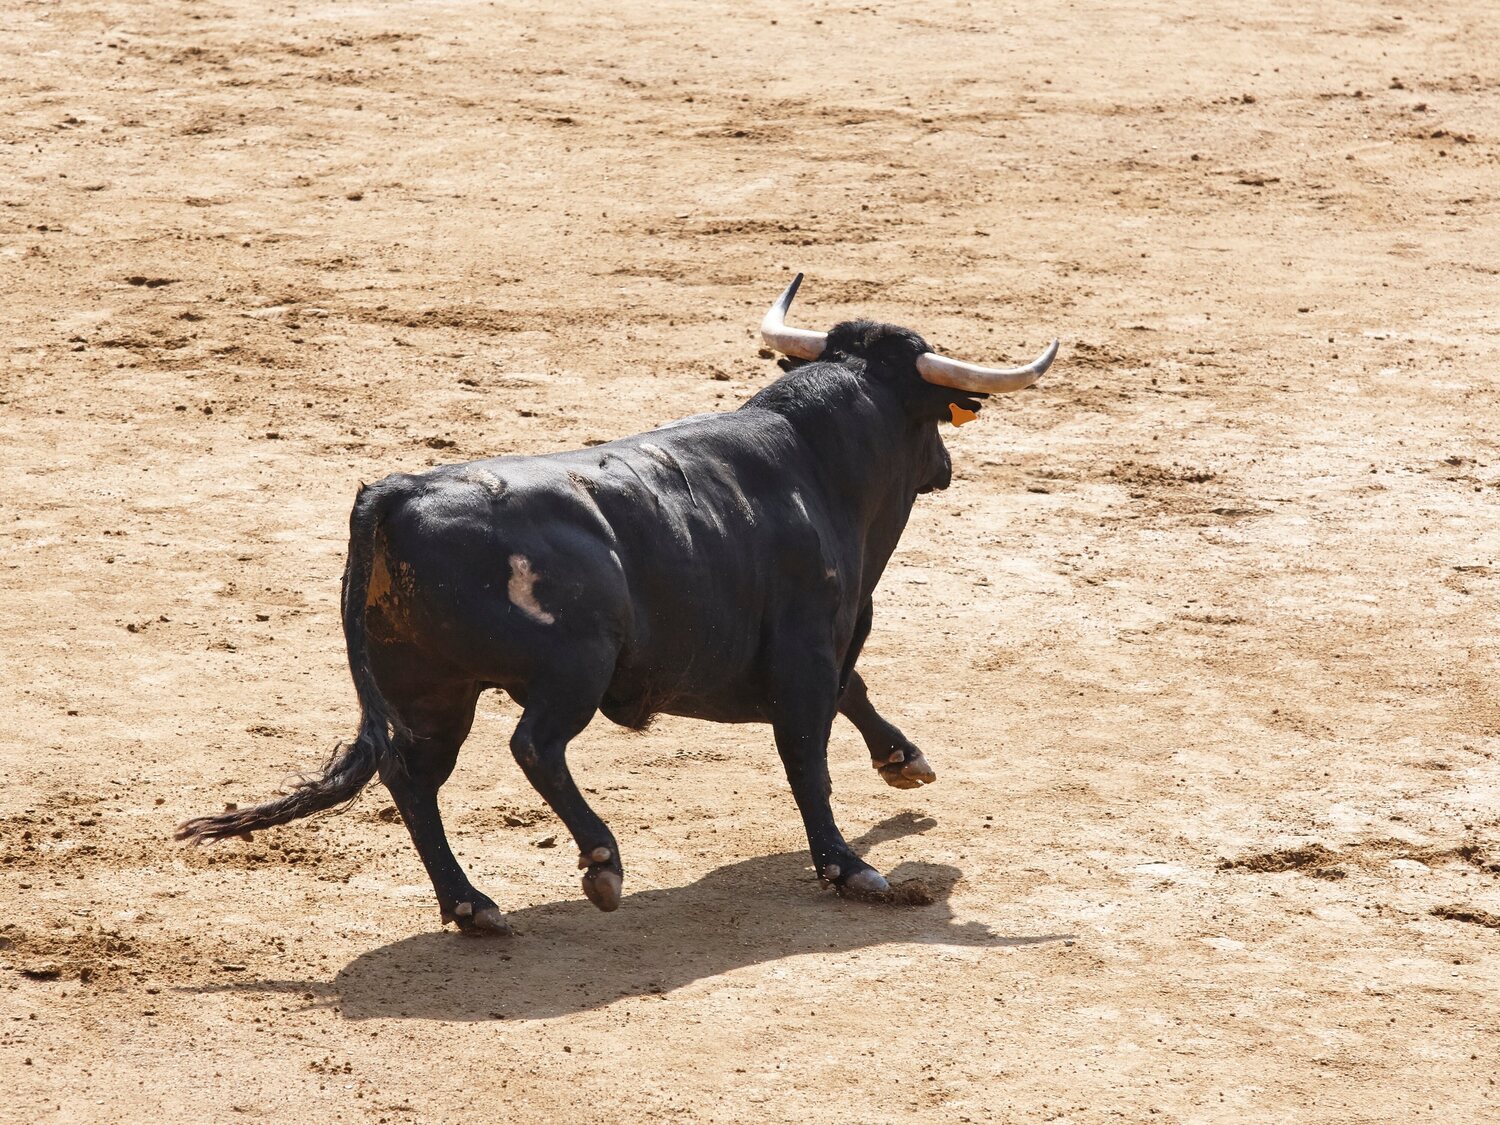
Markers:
point(721, 568)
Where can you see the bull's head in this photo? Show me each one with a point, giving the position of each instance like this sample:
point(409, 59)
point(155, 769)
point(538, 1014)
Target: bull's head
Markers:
point(891, 351)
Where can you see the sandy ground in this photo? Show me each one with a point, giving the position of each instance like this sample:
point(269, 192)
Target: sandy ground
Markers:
point(1202, 642)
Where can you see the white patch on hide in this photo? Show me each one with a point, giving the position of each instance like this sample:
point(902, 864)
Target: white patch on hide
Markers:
point(522, 581)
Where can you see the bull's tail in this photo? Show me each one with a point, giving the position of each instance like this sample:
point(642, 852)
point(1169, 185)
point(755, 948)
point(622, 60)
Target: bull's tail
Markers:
point(352, 764)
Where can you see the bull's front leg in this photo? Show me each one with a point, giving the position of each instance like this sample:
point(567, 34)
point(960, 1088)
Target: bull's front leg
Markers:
point(899, 761)
point(805, 697)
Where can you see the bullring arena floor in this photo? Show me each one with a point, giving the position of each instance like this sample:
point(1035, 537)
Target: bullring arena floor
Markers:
point(1202, 642)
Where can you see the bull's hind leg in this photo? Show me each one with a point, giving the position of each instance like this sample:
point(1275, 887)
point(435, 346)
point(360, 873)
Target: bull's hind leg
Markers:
point(423, 760)
point(899, 761)
point(556, 711)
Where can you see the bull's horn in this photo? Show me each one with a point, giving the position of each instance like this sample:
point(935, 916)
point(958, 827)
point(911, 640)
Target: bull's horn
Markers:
point(962, 376)
point(796, 342)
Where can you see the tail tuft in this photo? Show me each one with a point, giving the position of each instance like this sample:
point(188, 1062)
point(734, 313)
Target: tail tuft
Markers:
point(348, 771)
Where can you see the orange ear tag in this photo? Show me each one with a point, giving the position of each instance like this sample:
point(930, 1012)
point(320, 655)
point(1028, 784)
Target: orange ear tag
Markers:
point(960, 415)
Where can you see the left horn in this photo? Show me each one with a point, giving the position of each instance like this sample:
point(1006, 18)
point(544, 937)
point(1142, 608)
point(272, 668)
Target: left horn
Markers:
point(962, 376)
point(796, 342)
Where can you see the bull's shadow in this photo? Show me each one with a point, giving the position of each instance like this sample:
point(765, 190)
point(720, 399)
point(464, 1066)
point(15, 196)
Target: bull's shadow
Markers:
point(567, 957)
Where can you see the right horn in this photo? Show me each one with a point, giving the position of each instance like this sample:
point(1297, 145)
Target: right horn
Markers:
point(796, 342)
point(962, 376)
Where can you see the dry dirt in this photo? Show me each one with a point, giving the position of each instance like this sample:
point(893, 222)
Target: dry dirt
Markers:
point(1202, 642)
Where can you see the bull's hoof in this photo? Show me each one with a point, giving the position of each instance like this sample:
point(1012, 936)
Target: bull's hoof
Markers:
point(907, 769)
point(487, 921)
point(869, 885)
point(866, 884)
point(602, 886)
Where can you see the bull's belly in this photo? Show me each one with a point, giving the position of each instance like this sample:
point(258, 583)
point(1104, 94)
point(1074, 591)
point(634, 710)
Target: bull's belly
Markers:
point(714, 684)
point(721, 692)
point(637, 713)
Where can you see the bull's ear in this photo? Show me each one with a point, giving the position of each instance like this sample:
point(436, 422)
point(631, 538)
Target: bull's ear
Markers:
point(957, 407)
point(791, 363)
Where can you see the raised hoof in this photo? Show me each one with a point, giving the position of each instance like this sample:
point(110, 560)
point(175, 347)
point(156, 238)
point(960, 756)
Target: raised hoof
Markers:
point(603, 888)
point(598, 855)
point(907, 770)
point(867, 884)
point(487, 921)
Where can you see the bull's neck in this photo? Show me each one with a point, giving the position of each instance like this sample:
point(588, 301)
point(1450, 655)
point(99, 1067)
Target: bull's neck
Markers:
point(865, 450)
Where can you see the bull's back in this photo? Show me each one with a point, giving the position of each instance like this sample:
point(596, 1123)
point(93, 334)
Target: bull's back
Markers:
point(673, 547)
